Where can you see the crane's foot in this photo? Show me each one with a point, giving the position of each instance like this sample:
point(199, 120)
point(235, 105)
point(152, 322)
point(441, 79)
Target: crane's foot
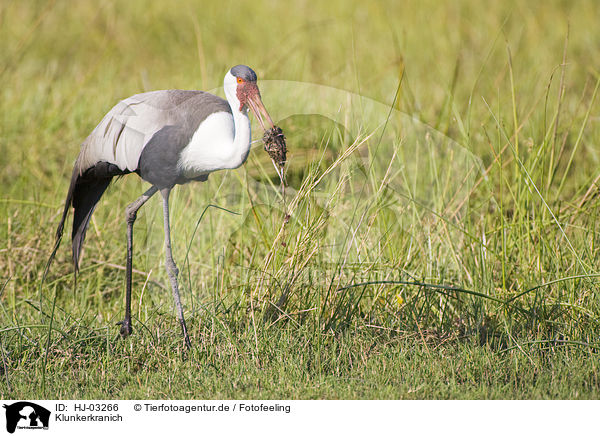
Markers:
point(126, 329)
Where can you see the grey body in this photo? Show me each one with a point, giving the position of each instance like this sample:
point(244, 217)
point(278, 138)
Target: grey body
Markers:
point(144, 134)
point(154, 126)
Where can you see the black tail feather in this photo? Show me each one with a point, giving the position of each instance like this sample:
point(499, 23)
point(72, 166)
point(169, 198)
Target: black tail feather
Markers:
point(85, 197)
point(61, 224)
point(84, 193)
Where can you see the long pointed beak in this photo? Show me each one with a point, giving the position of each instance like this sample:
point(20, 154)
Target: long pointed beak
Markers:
point(260, 112)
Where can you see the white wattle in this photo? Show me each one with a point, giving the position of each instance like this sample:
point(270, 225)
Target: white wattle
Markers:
point(222, 141)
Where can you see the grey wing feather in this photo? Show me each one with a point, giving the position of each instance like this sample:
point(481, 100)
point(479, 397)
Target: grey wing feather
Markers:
point(126, 129)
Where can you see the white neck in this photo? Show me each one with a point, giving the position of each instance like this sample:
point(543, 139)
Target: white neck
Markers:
point(241, 122)
point(222, 141)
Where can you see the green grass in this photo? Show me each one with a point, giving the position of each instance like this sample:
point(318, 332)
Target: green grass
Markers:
point(443, 204)
point(293, 364)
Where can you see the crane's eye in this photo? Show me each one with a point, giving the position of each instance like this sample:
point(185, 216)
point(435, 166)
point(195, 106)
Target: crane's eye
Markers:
point(240, 80)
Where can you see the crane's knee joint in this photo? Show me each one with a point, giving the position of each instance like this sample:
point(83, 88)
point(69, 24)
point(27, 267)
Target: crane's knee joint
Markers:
point(130, 214)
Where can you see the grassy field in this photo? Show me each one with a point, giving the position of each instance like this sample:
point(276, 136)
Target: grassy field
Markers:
point(443, 201)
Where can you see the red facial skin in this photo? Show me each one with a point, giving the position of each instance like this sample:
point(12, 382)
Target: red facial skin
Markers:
point(245, 90)
point(249, 95)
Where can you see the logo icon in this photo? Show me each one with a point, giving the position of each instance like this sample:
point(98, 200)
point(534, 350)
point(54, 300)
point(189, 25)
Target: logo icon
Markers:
point(26, 415)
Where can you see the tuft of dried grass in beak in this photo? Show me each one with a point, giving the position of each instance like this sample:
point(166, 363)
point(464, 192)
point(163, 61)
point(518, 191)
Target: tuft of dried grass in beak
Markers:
point(276, 148)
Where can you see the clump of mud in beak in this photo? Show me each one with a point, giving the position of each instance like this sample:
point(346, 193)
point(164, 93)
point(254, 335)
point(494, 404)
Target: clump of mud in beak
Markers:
point(277, 150)
point(275, 145)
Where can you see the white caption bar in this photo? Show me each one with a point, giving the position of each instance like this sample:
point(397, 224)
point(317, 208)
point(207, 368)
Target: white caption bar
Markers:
point(152, 417)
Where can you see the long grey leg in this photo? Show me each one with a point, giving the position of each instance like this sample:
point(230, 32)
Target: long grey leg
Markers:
point(172, 270)
point(130, 216)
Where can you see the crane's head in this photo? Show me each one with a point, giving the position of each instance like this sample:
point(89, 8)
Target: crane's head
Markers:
point(240, 87)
